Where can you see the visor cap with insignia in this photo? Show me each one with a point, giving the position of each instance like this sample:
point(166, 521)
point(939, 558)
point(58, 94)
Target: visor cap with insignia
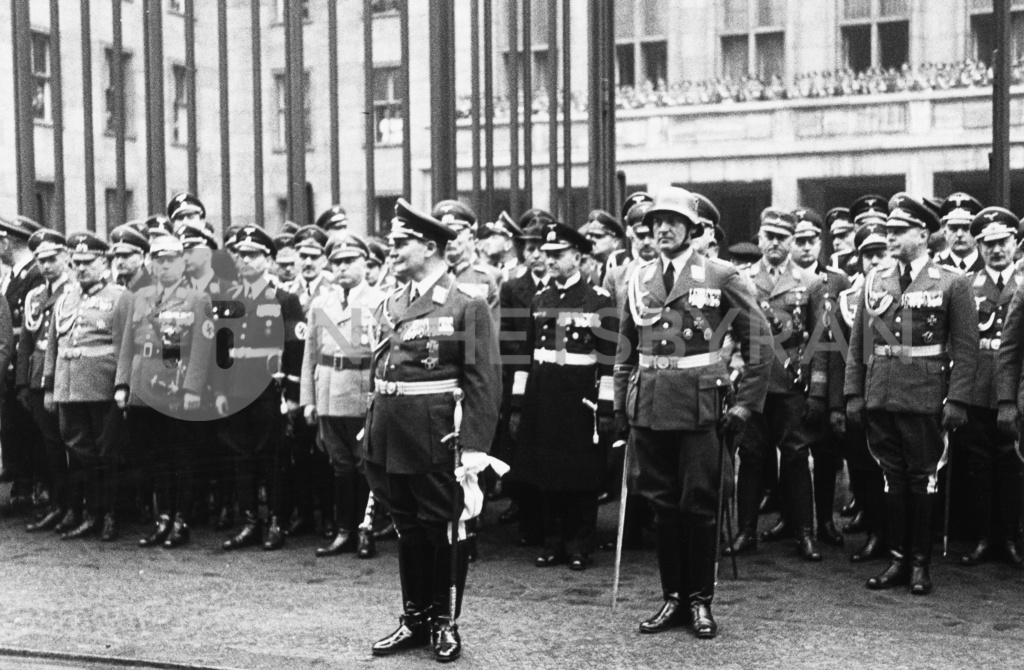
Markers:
point(284, 241)
point(959, 208)
point(867, 208)
point(994, 223)
point(907, 211)
point(410, 223)
point(334, 218)
point(348, 245)
point(534, 233)
point(635, 217)
point(196, 236)
point(311, 239)
point(558, 237)
point(778, 221)
point(454, 214)
point(706, 210)
point(254, 238)
point(675, 200)
point(85, 246)
point(534, 216)
point(808, 223)
point(378, 253)
point(158, 222)
point(504, 226)
point(185, 203)
point(21, 228)
point(166, 245)
point(605, 219)
point(871, 236)
point(126, 239)
point(634, 199)
point(838, 221)
point(46, 243)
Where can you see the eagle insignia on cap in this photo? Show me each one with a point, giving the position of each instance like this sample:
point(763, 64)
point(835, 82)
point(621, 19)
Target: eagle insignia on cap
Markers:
point(552, 236)
point(82, 248)
point(992, 216)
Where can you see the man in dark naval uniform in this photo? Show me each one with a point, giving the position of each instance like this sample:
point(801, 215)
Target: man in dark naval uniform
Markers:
point(670, 380)
point(436, 358)
point(909, 376)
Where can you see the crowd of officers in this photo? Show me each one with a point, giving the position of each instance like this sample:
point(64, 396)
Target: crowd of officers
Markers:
point(360, 388)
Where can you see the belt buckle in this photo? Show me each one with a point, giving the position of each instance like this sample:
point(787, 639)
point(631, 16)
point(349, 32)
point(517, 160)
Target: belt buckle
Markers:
point(391, 388)
point(76, 352)
point(661, 362)
point(147, 350)
point(995, 343)
point(887, 350)
point(337, 362)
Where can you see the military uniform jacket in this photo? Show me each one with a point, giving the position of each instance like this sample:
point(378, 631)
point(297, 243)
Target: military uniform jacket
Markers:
point(1011, 349)
point(946, 258)
point(573, 334)
point(31, 359)
point(140, 281)
point(22, 282)
point(689, 321)
point(516, 298)
point(992, 306)
point(830, 338)
point(480, 281)
point(309, 291)
point(793, 306)
point(167, 347)
point(82, 346)
point(616, 280)
point(268, 332)
point(939, 305)
point(338, 353)
point(445, 334)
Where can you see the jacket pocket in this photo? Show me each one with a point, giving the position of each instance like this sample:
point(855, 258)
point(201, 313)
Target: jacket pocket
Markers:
point(709, 390)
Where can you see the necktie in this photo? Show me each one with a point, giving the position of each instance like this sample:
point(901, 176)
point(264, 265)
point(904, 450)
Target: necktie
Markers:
point(414, 295)
point(344, 299)
point(961, 264)
point(1000, 283)
point(669, 277)
point(905, 278)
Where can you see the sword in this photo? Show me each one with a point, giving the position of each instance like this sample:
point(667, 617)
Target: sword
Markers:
point(623, 494)
point(949, 493)
point(723, 443)
point(453, 438)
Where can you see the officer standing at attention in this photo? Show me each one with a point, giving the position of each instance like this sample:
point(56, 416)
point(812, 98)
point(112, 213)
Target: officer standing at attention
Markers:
point(670, 380)
point(164, 361)
point(957, 213)
point(909, 376)
point(127, 248)
point(336, 384)
point(480, 279)
point(437, 337)
point(50, 252)
point(81, 362)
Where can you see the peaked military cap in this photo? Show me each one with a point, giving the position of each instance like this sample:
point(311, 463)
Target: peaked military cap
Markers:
point(85, 246)
point(706, 210)
point(334, 217)
point(21, 228)
point(454, 214)
point(994, 223)
point(745, 252)
point(196, 236)
point(558, 236)
point(778, 221)
point(868, 207)
point(284, 241)
point(126, 239)
point(166, 245)
point(960, 207)
point(410, 223)
point(504, 226)
point(607, 220)
point(905, 210)
point(185, 203)
point(311, 239)
point(838, 221)
point(808, 223)
point(254, 238)
point(46, 243)
point(348, 245)
point(679, 201)
point(535, 215)
point(633, 200)
point(870, 236)
point(534, 232)
point(636, 217)
point(378, 252)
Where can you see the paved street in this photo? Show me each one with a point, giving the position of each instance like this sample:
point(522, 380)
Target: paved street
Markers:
point(290, 610)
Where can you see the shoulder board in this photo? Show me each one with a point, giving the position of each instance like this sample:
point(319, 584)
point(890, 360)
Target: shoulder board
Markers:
point(38, 289)
point(718, 261)
point(952, 269)
point(602, 292)
point(469, 289)
point(486, 270)
point(979, 279)
point(520, 271)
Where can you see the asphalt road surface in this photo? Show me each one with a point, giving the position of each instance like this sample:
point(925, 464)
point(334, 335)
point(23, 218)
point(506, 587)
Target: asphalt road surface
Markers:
point(287, 609)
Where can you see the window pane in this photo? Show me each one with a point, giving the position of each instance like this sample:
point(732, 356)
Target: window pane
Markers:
point(736, 15)
point(1016, 37)
point(857, 47)
point(655, 17)
point(894, 43)
point(894, 7)
point(983, 32)
point(539, 22)
point(771, 13)
point(540, 70)
point(858, 9)
point(734, 56)
point(770, 52)
point(40, 55)
point(625, 61)
point(624, 24)
point(655, 56)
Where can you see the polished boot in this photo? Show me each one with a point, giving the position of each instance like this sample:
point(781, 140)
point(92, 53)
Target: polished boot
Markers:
point(873, 548)
point(343, 542)
point(745, 541)
point(980, 553)
point(248, 536)
point(274, 536)
point(90, 524)
point(807, 547)
point(157, 537)
point(669, 548)
point(699, 545)
point(109, 532)
point(367, 545)
point(413, 631)
point(548, 560)
point(447, 643)
point(851, 508)
point(71, 520)
point(579, 562)
point(1013, 555)
point(387, 532)
point(829, 534)
point(179, 533)
point(898, 572)
point(299, 525)
point(855, 525)
point(49, 521)
point(921, 545)
point(780, 531)
point(671, 615)
point(416, 569)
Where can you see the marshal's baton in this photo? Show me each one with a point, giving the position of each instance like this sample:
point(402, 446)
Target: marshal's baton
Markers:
point(453, 438)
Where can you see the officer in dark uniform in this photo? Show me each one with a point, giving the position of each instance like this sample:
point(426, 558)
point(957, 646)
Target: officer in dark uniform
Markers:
point(162, 368)
point(81, 362)
point(607, 236)
point(791, 299)
point(568, 393)
point(127, 249)
point(478, 278)
point(499, 245)
point(670, 381)
point(842, 231)
point(956, 213)
point(912, 361)
point(437, 337)
point(268, 330)
point(991, 461)
point(19, 274)
point(51, 256)
point(866, 481)
point(333, 220)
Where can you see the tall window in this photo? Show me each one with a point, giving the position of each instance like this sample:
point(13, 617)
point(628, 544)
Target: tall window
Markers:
point(876, 33)
point(176, 6)
point(40, 61)
point(641, 47)
point(129, 90)
point(983, 30)
point(382, 6)
point(179, 113)
point(281, 98)
point(388, 105)
point(111, 206)
point(753, 38)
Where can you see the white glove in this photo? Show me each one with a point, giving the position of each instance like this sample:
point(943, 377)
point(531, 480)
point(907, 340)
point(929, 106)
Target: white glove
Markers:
point(474, 462)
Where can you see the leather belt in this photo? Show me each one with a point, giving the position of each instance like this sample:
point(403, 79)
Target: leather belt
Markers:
point(563, 357)
point(989, 344)
point(148, 350)
point(342, 362)
point(94, 351)
point(900, 351)
point(679, 362)
point(415, 388)
point(254, 352)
